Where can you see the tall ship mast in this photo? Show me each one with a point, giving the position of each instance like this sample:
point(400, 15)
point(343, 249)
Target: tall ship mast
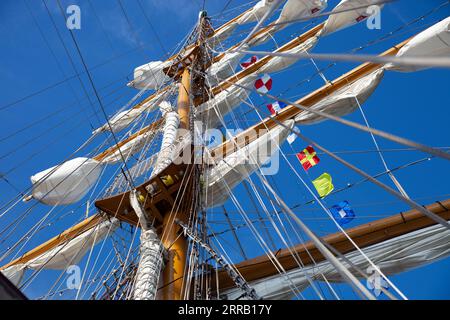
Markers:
point(167, 200)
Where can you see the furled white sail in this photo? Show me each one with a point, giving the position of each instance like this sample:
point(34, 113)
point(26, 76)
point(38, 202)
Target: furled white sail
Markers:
point(432, 42)
point(128, 149)
point(151, 255)
point(65, 254)
point(257, 12)
point(67, 183)
point(224, 68)
point(343, 101)
point(393, 256)
point(211, 111)
point(349, 12)
point(150, 75)
point(121, 120)
point(234, 168)
point(151, 248)
point(150, 264)
point(297, 9)
point(165, 156)
point(14, 273)
point(124, 118)
point(222, 34)
point(280, 63)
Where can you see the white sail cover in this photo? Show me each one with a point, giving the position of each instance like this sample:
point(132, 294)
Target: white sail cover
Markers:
point(393, 256)
point(347, 17)
point(121, 120)
point(343, 101)
point(257, 12)
point(165, 155)
point(150, 264)
point(224, 68)
point(222, 34)
point(432, 42)
point(150, 75)
point(234, 168)
point(211, 111)
point(67, 183)
point(280, 63)
point(297, 9)
point(124, 118)
point(292, 10)
point(65, 254)
point(129, 148)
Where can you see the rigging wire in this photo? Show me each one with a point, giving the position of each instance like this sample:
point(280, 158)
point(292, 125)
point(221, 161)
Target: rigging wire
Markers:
point(130, 180)
point(86, 93)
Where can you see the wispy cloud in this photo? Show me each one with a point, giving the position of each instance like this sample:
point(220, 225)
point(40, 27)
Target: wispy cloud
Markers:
point(176, 9)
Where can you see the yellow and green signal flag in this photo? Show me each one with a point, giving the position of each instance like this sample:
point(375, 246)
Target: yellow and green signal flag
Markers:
point(323, 185)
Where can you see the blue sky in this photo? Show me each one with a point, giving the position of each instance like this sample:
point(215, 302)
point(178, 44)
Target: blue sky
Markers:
point(411, 105)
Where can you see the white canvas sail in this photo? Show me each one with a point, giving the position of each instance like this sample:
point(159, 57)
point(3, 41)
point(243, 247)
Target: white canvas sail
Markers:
point(343, 101)
point(234, 168)
point(150, 76)
point(67, 183)
point(66, 254)
point(222, 34)
point(297, 9)
point(257, 12)
point(347, 13)
point(393, 256)
point(432, 42)
point(224, 68)
point(128, 149)
point(211, 111)
point(123, 119)
point(280, 63)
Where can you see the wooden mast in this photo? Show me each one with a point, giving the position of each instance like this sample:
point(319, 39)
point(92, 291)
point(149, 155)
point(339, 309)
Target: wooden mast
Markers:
point(177, 245)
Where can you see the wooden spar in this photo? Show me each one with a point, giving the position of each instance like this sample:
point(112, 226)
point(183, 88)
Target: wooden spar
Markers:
point(364, 235)
point(63, 237)
point(289, 112)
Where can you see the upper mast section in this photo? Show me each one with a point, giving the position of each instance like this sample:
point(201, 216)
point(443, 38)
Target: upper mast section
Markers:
point(202, 61)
